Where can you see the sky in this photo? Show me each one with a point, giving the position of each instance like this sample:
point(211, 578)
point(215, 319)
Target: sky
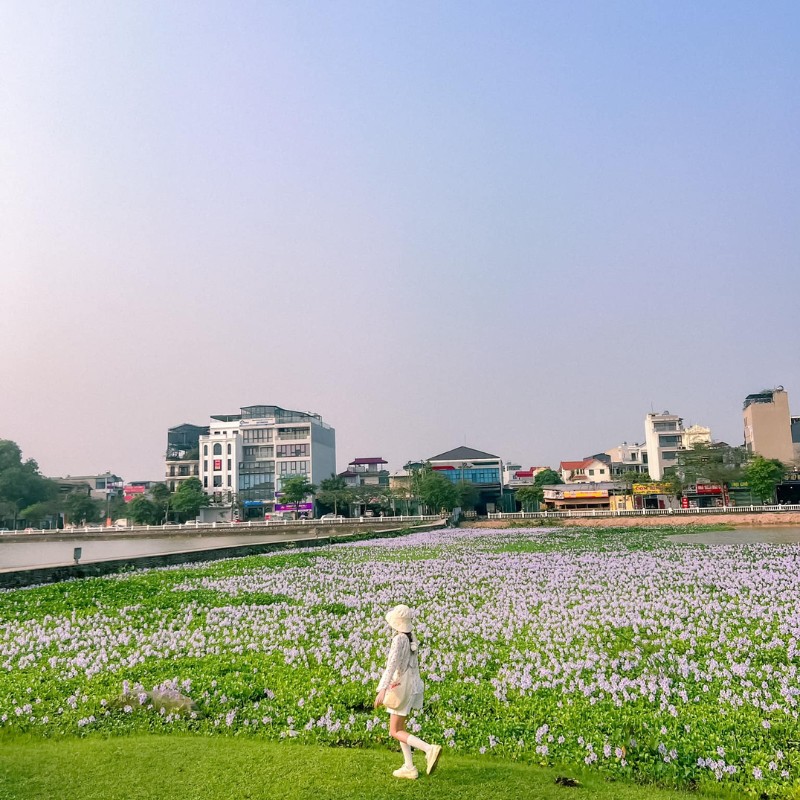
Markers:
point(516, 225)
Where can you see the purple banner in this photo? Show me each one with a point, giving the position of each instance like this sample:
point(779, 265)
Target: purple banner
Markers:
point(291, 507)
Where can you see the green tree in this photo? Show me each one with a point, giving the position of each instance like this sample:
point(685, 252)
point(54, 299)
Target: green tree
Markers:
point(142, 510)
point(162, 497)
point(45, 511)
point(547, 477)
point(530, 496)
point(468, 495)
point(295, 490)
point(437, 492)
point(627, 479)
point(189, 498)
point(334, 493)
point(21, 484)
point(714, 463)
point(763, 475)
point(80, 509)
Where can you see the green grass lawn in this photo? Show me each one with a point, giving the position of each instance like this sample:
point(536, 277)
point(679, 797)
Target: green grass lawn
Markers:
point(184, 767)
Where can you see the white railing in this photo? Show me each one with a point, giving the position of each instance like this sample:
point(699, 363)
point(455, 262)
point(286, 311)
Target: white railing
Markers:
point(229, 526)
point(641, 512)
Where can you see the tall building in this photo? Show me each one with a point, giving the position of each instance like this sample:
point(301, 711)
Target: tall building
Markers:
point(245, 457)
point(183, 454)
point(767, 424)
point(663, 435)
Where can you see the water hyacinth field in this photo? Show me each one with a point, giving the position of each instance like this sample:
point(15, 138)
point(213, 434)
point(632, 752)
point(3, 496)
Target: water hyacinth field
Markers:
point(609, 649)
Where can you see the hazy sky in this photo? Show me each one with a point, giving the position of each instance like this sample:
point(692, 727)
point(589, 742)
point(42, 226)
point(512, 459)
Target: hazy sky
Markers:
point(517, 224)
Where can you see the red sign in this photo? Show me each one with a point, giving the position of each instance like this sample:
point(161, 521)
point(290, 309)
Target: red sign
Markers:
point(129, 492)
point(217, 463)
point(708, 488)
point(684, 502)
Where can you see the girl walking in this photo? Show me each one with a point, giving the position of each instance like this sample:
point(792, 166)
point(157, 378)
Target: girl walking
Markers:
point(401, 689)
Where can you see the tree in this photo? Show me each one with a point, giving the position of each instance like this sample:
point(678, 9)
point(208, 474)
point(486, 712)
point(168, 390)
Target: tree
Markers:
point(189, 498)
point(80, 509)
point(763, 475)
point(468, 495)
point(45, 510)
point(547, 477)
point(162, 498)
point(144, 511)
point(335, 493)
point(438, 492)
point(627, 479)
point(530, 496)
point(715, 463)
point(21, 483)
point(296, 489)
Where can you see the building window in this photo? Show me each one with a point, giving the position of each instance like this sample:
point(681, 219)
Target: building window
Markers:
point(293, 450)
point(670, 455)
point(294, 467)
point(172, 486)
point(257, 480)
point(217, 449)
point(229, 465)
point(591, 472)
point(218, 480)
point(665, 426)
point(205, 481)
point(205, 466)
point(205, 449)
point(669, 441)
point(229, 480)
point(293, 433)
point(229, 449)
point(257, 435)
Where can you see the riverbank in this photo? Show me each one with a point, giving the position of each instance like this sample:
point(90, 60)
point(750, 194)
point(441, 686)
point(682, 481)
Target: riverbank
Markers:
point(787, 518)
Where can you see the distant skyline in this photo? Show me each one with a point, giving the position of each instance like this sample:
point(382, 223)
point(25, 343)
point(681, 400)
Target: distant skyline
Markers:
point(517, 225)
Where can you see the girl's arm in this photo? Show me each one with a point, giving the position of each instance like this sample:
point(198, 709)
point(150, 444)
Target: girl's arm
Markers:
point(395, 654)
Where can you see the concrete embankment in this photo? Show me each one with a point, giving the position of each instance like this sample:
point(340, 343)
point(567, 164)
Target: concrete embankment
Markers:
point(184, 553)
point(678, 520)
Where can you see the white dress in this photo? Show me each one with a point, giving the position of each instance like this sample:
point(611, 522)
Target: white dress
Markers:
point(403, 664)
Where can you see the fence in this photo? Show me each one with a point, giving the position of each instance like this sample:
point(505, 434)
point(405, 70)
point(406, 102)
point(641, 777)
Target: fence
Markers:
point(226, 526)
point(644, 512)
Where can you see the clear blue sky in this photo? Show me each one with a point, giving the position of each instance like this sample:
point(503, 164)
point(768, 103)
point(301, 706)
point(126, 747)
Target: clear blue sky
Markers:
point(523, 224)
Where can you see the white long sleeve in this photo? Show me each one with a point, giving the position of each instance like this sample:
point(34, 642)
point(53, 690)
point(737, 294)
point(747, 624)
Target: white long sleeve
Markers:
point(397, 662)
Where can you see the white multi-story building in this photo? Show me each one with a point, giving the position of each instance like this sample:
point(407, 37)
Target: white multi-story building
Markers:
point(245, 457)
point(627, 458)
point(663, 435)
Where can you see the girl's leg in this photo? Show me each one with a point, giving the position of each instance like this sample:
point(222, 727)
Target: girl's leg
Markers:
point(397, 730)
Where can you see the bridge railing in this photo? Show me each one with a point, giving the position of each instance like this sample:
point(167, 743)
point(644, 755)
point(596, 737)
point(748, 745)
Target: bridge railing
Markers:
point(194, 525)
point(643, 512)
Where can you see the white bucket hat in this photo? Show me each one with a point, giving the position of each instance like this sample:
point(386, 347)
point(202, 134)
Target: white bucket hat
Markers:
point(400, 618)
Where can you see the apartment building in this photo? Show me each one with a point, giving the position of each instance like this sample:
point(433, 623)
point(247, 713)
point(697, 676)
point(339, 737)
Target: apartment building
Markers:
point(183, 453)
point(663, 434)
point(768, 424)
point(245, 457)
